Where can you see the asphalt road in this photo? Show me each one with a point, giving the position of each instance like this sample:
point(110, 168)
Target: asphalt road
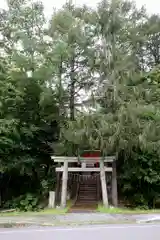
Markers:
point(118, 232)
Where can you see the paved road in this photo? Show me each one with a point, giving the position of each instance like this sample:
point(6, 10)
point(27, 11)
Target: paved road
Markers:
point(118, 232)
point(78, 218)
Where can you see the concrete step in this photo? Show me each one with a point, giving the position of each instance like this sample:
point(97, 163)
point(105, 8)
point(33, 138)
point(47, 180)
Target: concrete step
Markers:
point(88, 204)
point(89, 183)
point(87, 192)
point(87, 189)
point(87, 198)
point(84, 202)
point(85, 205)
point(84, 208)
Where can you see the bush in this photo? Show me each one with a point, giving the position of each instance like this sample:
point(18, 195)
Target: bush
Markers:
point(27, 202)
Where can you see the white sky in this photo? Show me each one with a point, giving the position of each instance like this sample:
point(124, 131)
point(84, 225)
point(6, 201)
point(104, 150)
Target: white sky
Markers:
point(153, 6)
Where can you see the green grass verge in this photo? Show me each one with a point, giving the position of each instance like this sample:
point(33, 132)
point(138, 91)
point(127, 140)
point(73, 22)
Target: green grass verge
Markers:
point(30, 213)
point(125, 210)
point(59, 211)
point(55, 211)
point(77, 223)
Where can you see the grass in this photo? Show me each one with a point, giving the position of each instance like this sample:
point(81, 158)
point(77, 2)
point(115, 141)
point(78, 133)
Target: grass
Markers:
point(41, 212)
point(126, 210)
point(59, 211)
point(54, 211)
point(78, 223)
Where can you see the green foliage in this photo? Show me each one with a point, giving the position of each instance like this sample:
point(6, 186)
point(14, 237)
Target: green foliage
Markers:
point(27, 202)
point(111, 55)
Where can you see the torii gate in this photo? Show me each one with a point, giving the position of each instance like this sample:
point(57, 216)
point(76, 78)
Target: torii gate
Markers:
point(102, 169)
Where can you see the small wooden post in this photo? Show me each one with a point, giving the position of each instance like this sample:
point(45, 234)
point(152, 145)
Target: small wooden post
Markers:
point(64, 184)
point(114, 185)
point(51, 199)
point(103, 184)
point(83, 165)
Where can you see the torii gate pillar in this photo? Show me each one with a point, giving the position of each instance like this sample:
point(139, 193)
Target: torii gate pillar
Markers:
point(64, 185)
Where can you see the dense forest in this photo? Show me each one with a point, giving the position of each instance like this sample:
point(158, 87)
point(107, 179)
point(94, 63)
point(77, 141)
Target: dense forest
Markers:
point(85, 79)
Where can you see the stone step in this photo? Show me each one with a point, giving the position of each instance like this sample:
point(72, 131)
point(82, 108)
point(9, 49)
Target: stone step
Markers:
point(87, 200)
point(86, 187)
point(89, 204)
point(87, 196)
point(87, 191)
point(80, 203)
point(84, 208)
point(88, 183)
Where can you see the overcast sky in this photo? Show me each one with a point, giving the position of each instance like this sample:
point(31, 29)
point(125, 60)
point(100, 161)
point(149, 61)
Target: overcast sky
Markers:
point(153, 6)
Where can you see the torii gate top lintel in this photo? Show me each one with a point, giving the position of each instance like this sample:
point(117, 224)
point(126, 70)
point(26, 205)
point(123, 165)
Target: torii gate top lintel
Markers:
point(65, 160)
point(77, 159)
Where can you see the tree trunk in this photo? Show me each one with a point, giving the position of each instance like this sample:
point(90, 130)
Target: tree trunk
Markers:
point(72, 90)
point(60, 90)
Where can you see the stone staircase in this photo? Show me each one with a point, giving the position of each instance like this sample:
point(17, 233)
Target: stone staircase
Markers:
point(87, 193)
point(87, 196)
